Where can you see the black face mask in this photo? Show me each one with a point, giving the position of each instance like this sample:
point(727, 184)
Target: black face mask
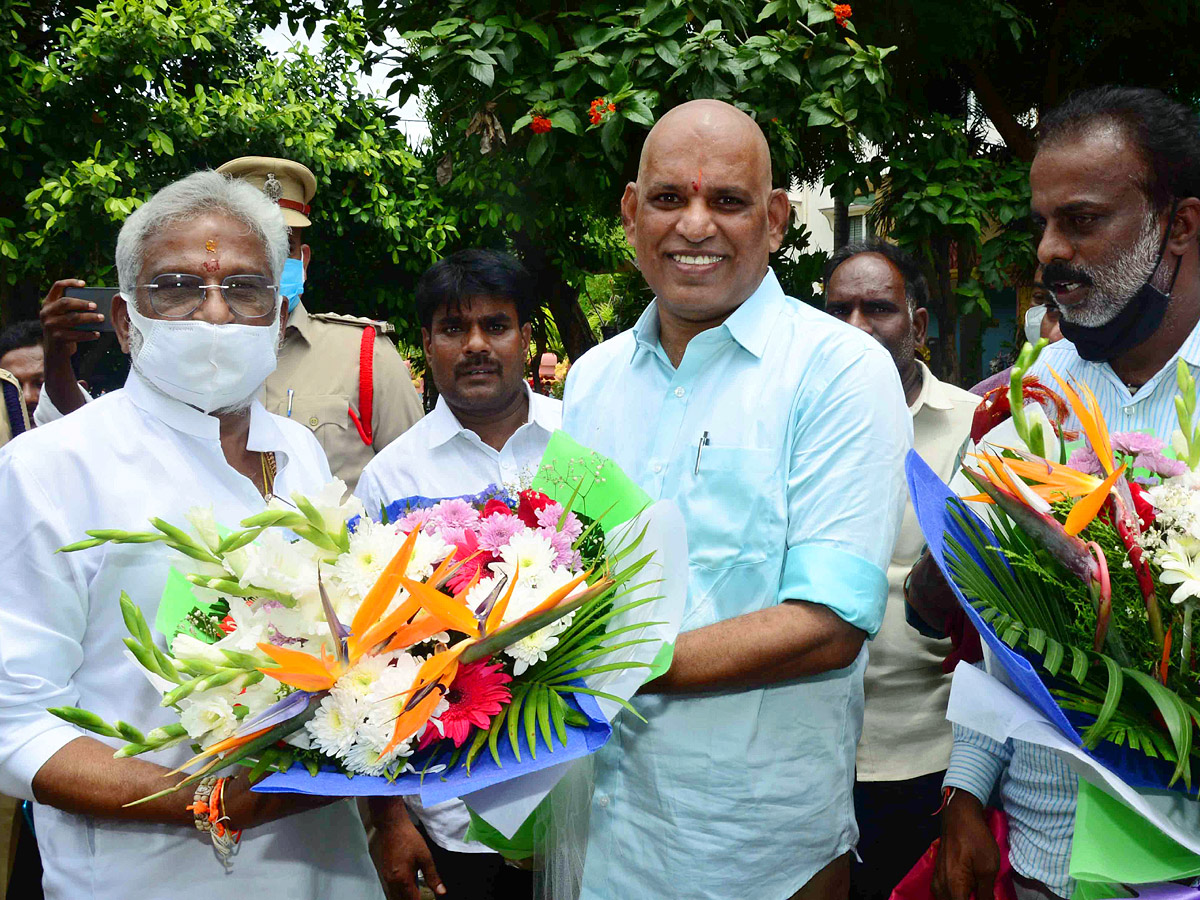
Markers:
point(1132, 325)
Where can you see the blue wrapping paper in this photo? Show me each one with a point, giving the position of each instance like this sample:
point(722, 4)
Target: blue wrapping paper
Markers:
point(929, 498)
point(439, 787)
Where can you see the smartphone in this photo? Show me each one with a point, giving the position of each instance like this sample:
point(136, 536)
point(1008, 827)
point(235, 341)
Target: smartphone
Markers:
point(102, 297)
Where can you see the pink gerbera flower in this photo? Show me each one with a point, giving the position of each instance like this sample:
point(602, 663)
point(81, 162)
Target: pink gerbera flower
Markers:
point(477, 693)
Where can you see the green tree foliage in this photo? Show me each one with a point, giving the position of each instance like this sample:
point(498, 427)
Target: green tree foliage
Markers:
point(538, 109)
point(123, 96)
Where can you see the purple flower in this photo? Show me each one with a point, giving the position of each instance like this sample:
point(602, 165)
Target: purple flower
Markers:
point(1084, 460)
point(572, 526)
point(548, 515)
point(453, 535)
point(564, 554)
point(497, 530)
point(1159, 464)
point(1134, 443)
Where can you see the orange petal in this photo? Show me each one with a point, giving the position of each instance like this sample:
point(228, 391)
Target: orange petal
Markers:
point(385, 586)
point(558, 596)
point(496, 616)
point(409, 722)
point(420, 629)
point(451, 610)
point(301, 670)
point(1092, 422)
point(380, 632)
point(1089, 507)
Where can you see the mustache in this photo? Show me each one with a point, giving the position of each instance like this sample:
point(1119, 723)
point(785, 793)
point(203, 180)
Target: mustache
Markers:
point(481, 362)
point(1060, 273)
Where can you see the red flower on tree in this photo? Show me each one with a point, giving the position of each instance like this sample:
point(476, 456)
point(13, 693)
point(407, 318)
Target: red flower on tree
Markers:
point(598, 108)
point(842, 12)
point(477, 693)
point(540, 125)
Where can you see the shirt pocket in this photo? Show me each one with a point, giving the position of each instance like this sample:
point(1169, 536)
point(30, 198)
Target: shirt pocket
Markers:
point(734, 507)
point(327, 416)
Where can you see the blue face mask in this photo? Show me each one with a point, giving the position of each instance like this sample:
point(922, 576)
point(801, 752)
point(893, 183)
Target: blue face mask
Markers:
point(291, 283)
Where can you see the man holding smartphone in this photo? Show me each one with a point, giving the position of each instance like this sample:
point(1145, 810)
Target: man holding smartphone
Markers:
point(66, 322)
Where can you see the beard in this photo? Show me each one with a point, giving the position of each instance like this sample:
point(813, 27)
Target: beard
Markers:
point(1113, 284)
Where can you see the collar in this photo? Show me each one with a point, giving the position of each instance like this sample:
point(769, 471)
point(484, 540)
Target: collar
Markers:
point(749, 325)
point(299, 319)
point(444, 425)
point(264, 435)
point(933, 392)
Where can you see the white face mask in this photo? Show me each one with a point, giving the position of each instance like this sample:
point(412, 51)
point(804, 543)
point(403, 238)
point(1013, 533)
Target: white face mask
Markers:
point(207, 366)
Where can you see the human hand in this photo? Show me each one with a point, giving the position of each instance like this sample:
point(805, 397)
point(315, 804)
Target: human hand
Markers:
point(60, 317)
point(400, 852)
point(929, 594)
point(968, 857)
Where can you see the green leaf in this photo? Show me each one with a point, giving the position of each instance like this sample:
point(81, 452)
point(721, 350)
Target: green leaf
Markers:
point(639, 112)
point(566, 120)
point(610, 134)
point(818, 13)
point(494, 733)
point(531, 702)
point(483, 73)
point(476, 748)
point(651, 12)
point(543, 716)
point(514, 711)
point(1112, 696)
point(538, 145)
point(538, 33)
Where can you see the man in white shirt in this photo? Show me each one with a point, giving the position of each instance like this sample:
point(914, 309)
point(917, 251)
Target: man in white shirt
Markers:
point(488, 428)
point(905, 744)
point(199, 313)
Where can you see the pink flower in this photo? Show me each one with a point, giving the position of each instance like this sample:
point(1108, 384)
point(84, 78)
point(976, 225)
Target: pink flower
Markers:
point(455, 513)
point(467, 548)
point(413, 519)
point(476, 694)
point(1133, 443)
point(1159, 464)
point(497, 530)
point(572, 526)
point(564, 554)
point(548, 515)
point(1084, 460)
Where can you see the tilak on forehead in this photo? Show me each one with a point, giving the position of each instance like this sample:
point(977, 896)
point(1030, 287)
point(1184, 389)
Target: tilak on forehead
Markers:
point(213, 264)
point(699, 180)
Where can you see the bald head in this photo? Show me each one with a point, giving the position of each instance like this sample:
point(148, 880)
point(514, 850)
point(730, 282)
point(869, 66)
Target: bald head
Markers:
point(709, 123)
point(702, 216)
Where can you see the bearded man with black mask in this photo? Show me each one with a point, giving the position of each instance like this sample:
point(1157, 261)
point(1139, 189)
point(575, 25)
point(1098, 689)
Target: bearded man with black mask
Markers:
point(1114, 186)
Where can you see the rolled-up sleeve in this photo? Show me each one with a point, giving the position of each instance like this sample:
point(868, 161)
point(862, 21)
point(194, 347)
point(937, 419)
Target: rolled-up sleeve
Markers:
point(845, 489)
point(43, 617)
point(976, 763)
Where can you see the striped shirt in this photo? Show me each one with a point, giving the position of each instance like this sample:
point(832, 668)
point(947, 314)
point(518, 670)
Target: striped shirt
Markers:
point(1037, 789)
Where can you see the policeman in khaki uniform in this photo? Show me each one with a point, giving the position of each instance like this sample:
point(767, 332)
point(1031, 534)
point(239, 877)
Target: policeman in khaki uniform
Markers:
point(332, 369)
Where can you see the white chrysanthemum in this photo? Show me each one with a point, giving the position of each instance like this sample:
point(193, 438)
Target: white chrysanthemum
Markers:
point(366, 757)
point(529, 550)
point(281, 565)
point(335, 724)
point(532, 592)
point(428, 551)
point(532, 649)
point(372, 547)
point(208, 716)
point(360, 681)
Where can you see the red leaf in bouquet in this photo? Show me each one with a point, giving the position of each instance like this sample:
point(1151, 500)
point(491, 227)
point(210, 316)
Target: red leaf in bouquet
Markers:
point(496, 507)
point(532, 502)
point(1141, 505)
point(477, 694)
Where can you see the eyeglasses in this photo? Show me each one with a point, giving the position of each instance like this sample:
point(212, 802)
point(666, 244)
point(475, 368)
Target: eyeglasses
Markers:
point(178, 296)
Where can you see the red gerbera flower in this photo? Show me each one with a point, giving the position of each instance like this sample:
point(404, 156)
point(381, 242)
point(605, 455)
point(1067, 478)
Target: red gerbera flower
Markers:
point(477, 693)
point(468, 549)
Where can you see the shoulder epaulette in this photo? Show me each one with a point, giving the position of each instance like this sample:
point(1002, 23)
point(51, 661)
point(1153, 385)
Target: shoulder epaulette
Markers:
point(356, 321)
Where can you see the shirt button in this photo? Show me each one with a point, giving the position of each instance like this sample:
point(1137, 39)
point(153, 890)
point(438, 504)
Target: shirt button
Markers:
point(679, 392)
point(657, 468)
point(1129, 410)
point(314, 421)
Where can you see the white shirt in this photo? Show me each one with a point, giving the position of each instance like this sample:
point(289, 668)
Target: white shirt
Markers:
point(438, 457)
point(121, 459)
point(905, 732)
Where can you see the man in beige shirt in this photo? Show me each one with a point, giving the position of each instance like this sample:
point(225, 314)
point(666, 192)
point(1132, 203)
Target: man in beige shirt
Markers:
point(906, 739)
point(339, 375)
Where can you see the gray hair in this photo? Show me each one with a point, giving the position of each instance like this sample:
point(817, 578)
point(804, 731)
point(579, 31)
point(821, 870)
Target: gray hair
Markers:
point(193, 196)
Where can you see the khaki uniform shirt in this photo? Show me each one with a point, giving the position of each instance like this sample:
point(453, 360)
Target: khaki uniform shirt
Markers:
point(6, 424)
point(319, 363)
point(905, 732)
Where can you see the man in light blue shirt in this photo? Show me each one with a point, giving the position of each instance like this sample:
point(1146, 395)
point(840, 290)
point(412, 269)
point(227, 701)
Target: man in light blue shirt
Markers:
point(780, 432)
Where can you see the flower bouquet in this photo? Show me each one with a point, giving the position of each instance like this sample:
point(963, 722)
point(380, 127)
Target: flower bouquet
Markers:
point(447, 646)
point(1084, 590)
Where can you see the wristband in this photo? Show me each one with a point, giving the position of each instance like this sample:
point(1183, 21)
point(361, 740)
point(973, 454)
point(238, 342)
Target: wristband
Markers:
point(208, 808)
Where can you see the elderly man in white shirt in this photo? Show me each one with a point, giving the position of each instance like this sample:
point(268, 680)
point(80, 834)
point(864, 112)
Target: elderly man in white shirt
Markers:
point(488, 428)
point(199, 312)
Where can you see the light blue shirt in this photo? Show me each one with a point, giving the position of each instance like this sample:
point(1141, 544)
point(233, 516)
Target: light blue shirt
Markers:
point(795, 493)
point(1037, 789)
